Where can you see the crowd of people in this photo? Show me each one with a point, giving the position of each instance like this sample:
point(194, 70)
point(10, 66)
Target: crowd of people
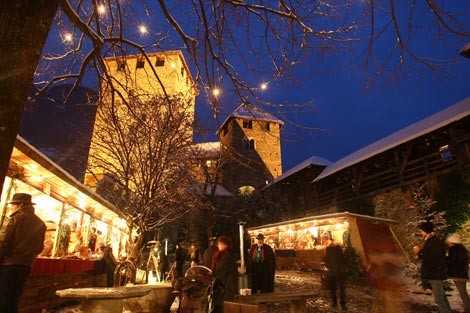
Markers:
point(22, 238)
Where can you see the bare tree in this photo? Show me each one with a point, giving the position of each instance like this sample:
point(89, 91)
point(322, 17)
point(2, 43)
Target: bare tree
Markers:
point(228, 41)
point(140, 158)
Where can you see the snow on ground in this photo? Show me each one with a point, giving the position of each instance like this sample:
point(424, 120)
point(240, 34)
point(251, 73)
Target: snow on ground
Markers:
point(358, 298)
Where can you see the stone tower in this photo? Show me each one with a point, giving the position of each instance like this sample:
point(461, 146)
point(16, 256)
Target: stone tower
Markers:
point(143, 78)
point(250, 149)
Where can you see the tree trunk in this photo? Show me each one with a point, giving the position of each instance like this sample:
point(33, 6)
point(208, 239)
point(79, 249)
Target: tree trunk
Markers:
point(25, 25)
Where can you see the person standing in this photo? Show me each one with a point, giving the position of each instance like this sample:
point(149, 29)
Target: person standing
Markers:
point(162, 264)
point(224, 264)
point(180, 257)
point(21, 240)
point(336, 265)
point(263, 266)
point(457, 267)
point(110, 264)
point(209, 252)
point(433, 264)
point(195, 255)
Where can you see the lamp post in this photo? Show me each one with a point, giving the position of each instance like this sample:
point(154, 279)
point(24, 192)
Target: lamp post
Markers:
point(242, 278)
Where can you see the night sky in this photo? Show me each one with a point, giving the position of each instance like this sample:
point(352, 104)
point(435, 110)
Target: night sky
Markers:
point(349, 108)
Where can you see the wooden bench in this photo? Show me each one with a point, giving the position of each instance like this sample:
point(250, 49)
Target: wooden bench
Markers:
point(297, 299)
point(108, 300)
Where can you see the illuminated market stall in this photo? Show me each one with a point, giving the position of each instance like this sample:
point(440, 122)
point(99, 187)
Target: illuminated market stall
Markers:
point(300, 243)
point(78, 220)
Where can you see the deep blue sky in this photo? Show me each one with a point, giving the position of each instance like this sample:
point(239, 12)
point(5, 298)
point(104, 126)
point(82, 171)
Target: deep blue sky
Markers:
point(348, 111)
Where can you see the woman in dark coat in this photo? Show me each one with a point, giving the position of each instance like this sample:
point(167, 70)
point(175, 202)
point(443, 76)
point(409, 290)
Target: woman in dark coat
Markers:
point(224, 267)
point(457, 268)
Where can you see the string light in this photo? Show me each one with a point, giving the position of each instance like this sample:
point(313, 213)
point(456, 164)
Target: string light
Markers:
point(216, 92)
point(143, 29)
point(264, 86)
point(101, 9)
point(68, 37)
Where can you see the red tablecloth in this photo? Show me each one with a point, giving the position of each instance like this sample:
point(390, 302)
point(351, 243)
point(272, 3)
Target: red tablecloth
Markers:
point(49, 266)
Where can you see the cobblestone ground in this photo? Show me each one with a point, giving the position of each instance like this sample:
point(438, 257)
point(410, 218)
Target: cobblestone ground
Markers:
point(358, 298)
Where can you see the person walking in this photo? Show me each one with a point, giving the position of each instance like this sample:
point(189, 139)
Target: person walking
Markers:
point(195, 255)
point(433, 264)
point(457, 267)
point(21, 240)
point(263, 266)
point(209, 252)
point(224, 265)
point(110, 264)
point(336, 265)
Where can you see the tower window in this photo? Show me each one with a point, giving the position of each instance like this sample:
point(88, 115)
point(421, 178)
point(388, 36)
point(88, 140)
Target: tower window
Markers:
point(248, 144)
point(266, 127)
point(446, 153)
point(140, 62)
point(160, 61)
point(248, 124)
point(121, 64)
point(182, 71)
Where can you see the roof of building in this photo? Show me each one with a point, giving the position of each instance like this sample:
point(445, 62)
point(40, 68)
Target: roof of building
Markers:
point(313, 160)
point(207, 149)
point(251, 112)
point(440, 119)
point(220, 191)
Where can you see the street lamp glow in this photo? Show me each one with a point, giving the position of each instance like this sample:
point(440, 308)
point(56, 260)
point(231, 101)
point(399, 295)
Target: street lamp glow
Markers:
point(264, 86)
point(143, 29)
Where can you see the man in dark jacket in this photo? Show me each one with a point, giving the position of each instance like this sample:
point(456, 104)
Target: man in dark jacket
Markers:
point(224, 264)
point(21, 240)
point(263, 266)
point(336, 265)
point(433, 265)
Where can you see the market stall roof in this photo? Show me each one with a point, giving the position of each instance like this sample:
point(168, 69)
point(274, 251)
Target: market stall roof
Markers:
point(443, 118)
point(323, 217)
point(40, 172)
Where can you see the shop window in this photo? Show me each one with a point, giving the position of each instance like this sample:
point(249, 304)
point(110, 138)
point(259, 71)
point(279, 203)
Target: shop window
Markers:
point(446, 153)
point(160, 61)
point(247, 124)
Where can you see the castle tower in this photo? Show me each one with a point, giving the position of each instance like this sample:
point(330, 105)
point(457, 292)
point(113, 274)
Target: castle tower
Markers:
point(250, 148)
point(142, 78)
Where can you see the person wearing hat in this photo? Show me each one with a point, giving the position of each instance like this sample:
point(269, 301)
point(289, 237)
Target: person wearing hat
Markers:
point(209, 252)
point(433, 264)
point(21, 240)
point(457, 267)
point(263, 266)
point(335, 263)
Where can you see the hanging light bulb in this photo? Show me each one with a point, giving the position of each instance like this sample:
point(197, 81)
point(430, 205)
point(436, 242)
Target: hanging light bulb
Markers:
point(143, 29)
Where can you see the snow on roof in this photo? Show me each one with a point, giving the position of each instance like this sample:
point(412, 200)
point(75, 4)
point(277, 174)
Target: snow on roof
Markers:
point(208, 149)
point(313, 160)
point(440, 119)
point(220, 191)
point(324, 217)
point(250, 111)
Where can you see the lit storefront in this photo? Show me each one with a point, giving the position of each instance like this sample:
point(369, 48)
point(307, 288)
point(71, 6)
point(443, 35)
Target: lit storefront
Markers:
point(75, 216)
point(300, 243)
